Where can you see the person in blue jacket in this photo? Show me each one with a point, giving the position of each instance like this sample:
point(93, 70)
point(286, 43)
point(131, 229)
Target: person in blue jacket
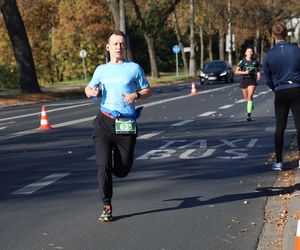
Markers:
point(121, 82)
point(282, 75)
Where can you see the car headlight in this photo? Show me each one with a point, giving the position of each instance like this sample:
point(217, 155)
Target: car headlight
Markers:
point(202, 74)
point(223, 73)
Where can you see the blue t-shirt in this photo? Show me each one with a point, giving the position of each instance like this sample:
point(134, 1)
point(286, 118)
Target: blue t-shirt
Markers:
point(115, 80)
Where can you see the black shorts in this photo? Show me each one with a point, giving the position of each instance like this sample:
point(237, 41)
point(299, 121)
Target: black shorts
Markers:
point(247, 82)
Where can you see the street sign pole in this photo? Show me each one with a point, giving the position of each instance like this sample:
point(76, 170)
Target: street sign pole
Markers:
point(83, 54)
point(176, 50)
point(176, 64)
point(83, 62)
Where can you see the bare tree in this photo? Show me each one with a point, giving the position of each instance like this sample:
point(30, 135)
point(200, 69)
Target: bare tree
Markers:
point(21, 47)
point(150, 31)
point(179, 39)
point(192, 71)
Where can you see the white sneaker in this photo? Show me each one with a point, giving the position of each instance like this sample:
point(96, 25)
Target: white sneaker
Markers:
point(277, 166)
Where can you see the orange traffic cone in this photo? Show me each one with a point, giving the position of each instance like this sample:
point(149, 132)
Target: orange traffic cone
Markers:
point(44, 119)
point(193, 90)
point(297, 241)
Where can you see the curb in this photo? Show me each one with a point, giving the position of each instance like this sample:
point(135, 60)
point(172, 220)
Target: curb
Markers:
point(291, 224)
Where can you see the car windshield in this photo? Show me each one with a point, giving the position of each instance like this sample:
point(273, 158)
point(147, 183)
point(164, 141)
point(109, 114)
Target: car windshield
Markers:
point(215, 65)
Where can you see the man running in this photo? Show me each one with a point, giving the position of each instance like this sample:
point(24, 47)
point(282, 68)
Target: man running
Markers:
point(115, 131)
point(282, 73)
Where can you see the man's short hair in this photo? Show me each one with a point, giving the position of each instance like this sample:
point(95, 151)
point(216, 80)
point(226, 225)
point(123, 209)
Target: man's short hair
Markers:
point(279, 30)
point(117, 33)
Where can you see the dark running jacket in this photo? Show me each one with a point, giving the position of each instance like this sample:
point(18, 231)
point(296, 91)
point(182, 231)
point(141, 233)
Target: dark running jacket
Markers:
point(282, 66)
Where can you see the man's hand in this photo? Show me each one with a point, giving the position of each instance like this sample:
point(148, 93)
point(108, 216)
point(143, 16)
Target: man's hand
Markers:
point(130, 98)
point(91, 91)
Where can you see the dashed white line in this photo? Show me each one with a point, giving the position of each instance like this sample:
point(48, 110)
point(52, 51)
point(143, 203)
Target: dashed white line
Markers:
point(152, 134)
point(32, 131)
point(33, 187)
point(240, 101)
point(48, 111)
point(226, 106)
point(181, 123)
point(207, 113)
point(92, 158)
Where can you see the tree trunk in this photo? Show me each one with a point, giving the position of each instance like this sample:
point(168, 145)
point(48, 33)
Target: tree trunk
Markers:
point(210, 42)
point(192, 40)
point(210, 48)
point(221, 45)
point(201, 48)
point(21, 47)
point(115, 9)
point(179, 39)
point(152, 55)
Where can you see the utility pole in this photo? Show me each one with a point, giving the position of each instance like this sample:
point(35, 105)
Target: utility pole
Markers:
point(229, 33)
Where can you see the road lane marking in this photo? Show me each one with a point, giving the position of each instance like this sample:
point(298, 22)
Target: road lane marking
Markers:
point(207, 113)
point(46, 181)
point(272, 129)
point(226, 106)
point(181, 123)
point(183, 96)
point(33, 131)
point(92, 158)
point(17, 134)
point(6, 123)
point(240, 101)
point(150, 135)
point(48, 111)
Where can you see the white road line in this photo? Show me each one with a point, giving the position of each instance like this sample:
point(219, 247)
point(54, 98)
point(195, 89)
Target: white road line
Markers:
point(6, 123)
point(33, 187)
point(184, 96)
point(152, 134)
point(181, 123)
point(32, 131)
point(226, 106)
point(272, 129)
point(264, 92)
point(92, 158)
point(240, 101)
point(90, 118)
point(252, 143)
point(207, 113)
point(48, 111)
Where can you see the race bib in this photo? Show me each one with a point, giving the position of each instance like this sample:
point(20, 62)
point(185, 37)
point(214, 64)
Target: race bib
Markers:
point(125, 126)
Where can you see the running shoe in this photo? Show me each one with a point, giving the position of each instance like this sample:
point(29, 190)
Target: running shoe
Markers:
point(277, 166)
point(106, 215)
point(249, 117)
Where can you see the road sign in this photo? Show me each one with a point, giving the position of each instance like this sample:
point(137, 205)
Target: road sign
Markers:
point(82, 53)
point(176, 49)
point(187, 49)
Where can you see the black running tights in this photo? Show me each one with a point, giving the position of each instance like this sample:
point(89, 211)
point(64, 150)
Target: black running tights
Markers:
point(114, 154)
point(285, 100)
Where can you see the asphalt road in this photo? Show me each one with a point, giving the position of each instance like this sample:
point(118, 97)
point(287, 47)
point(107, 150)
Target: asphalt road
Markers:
point(200, 179)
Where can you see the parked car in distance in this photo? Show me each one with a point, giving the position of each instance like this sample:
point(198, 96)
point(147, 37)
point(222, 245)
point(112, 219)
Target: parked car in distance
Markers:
point(216, 71)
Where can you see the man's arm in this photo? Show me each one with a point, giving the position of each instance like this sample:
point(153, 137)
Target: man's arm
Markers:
point(268, 74)
point(142, 94)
